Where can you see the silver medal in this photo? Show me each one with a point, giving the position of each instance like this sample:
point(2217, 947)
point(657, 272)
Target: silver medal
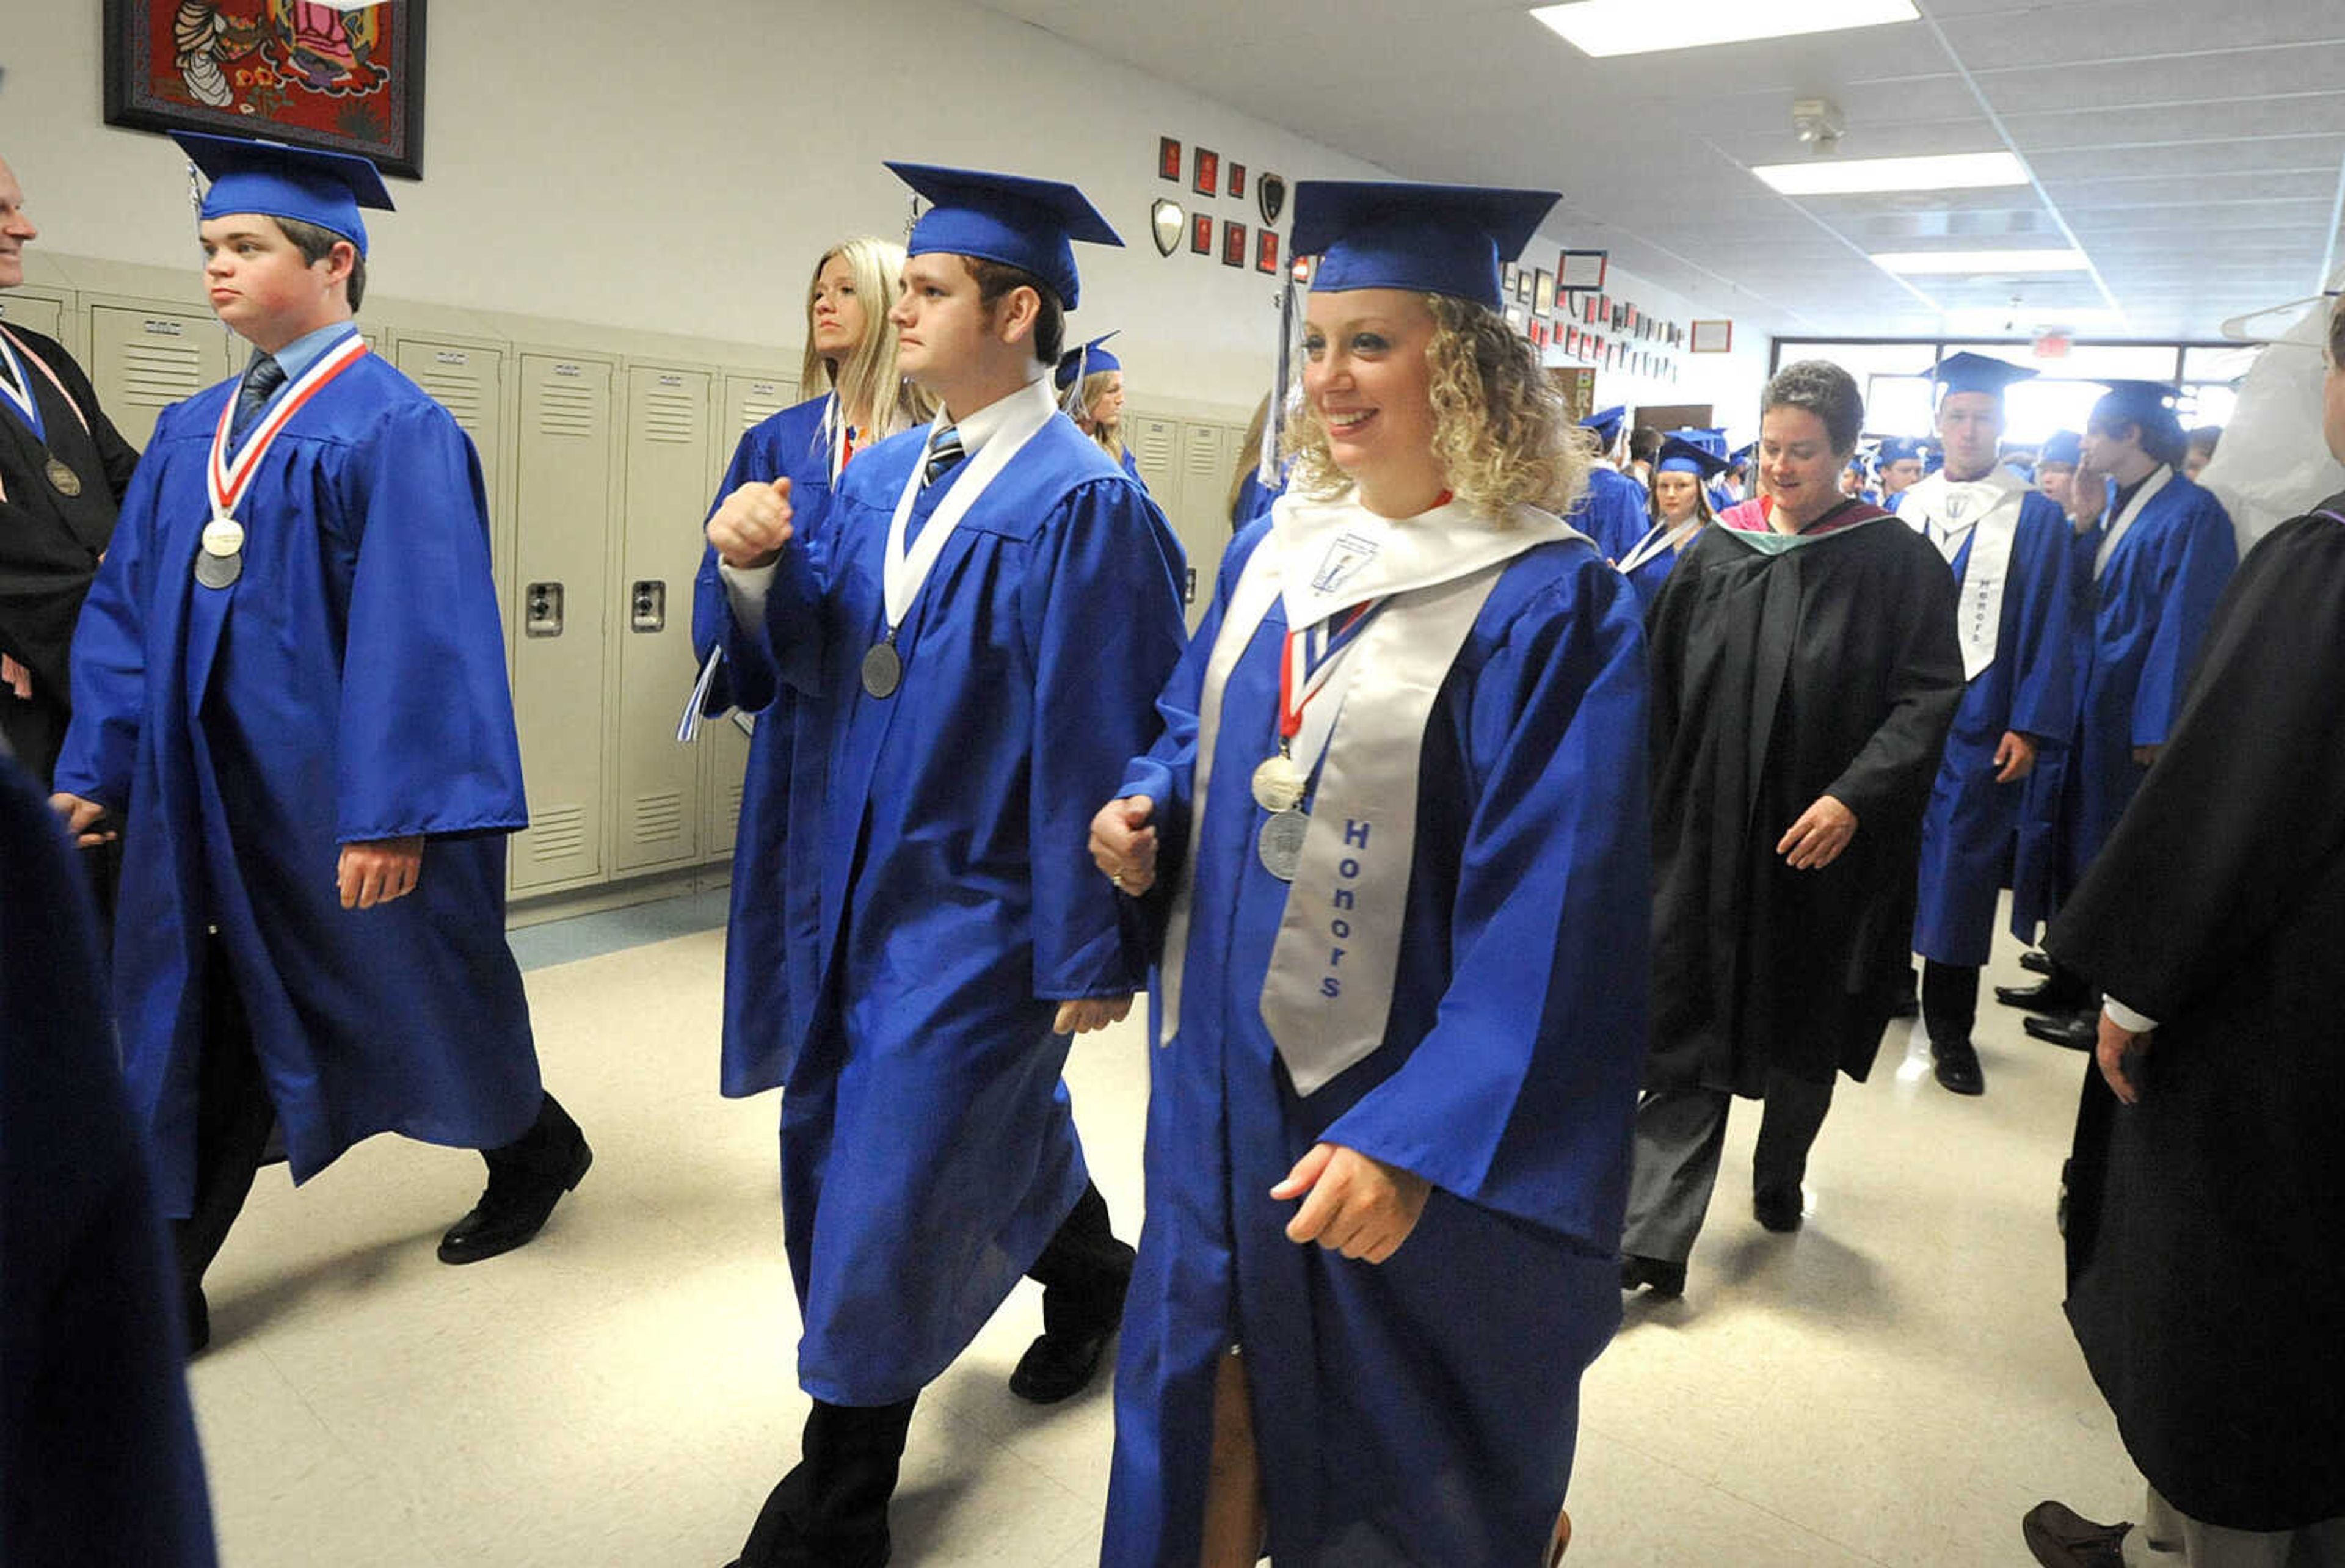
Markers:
point(1278, 783)
point(67, 484)
point(219, 570)
point(223, 536)
point(883, 670)
point(1279, 842)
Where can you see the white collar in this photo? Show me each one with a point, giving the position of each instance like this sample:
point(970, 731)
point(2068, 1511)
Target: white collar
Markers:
point(980, 427)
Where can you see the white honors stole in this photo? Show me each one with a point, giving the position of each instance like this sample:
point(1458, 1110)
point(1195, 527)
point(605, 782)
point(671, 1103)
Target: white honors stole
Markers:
point(2124, 522)
point(1328, 993)
point(1942, 510)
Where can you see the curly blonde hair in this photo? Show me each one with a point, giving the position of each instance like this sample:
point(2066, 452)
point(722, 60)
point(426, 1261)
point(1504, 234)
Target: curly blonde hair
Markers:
point(1499, 427)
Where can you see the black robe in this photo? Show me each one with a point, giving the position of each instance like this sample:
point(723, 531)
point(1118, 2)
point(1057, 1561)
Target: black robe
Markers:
point(2206, 1224)
point(97, 1446)
point(1831, 668)
point(50, 542)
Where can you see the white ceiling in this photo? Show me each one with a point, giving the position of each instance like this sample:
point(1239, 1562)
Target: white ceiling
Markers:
point(2197, 154)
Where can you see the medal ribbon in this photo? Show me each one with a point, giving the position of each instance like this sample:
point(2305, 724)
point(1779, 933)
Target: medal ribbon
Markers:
point(12, 346)
point(228, 480)
point(1307, 661)
point(906, 570)
point(1655, 544)
point(19, 392)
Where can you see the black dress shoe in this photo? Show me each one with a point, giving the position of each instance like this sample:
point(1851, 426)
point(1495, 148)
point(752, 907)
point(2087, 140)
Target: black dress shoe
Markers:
point(2057, 995)
point(1658, 1275)
point(1778, 1208)
point(1058, 1366)
point(2077, 1031)
point(2036, 961)
point(1955, 1064)
point(514, 1209)
point(1079, 1319)
point(2060, 1538)
point(1908, 1004)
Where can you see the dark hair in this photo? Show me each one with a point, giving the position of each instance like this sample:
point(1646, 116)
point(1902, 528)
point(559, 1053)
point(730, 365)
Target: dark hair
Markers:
point(1644, 444)
point(2206, 437)
point(2337, 332)
point(995, 279)
point(1822, 388)
point(315, 244)
point(2160, 435)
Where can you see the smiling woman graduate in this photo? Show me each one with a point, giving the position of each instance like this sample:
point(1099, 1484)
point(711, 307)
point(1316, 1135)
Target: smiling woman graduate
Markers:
point(1397, 819)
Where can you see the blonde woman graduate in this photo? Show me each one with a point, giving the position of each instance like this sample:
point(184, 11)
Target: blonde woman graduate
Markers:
point(850, 355)
point(1397, 828)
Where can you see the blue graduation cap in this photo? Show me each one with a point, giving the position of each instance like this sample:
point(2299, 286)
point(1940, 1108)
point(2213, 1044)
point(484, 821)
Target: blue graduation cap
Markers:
point(279, 181)
point(1680, 455)
point(1741, 454)
point(1713, 441)
point(2136, 403)
point(1019, 222)
point(1089, 359)
point(1969, 372)
point(1427, 238)
point(1605, 423)
point(1897, 449)
point(2062, 447)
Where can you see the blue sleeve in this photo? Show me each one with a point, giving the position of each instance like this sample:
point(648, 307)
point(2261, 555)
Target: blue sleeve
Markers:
point(1167, 774)
point(2197, 567)
point(2051, 624)
point(1102, 619)
point(425, 738)
point(745, 680)
point(109, 653)
point(1521, 1095)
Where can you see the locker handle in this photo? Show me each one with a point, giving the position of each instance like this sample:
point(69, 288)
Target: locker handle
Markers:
point(541, 615)
point(647, 605)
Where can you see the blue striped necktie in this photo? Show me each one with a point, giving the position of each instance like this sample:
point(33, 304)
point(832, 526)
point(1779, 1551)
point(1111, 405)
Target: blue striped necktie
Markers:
point(944, 451)
point(260, 383)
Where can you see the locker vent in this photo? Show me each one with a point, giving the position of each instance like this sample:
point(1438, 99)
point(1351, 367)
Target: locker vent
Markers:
point(155, 375)
point(1155, 445)
point(459, 395)
point(558, 833)
point(1206, 454)
point(659, 816)
point(671, 417)
point(756, 410)
point(732, 809)
point(566, 411)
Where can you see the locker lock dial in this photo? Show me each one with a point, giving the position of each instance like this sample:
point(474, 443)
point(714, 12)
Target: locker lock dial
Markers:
point(542, 610)
point(647, 605)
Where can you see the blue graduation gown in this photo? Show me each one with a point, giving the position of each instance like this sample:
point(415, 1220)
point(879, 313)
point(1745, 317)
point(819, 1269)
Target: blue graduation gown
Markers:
point(1132, 467)
point(1970, 826)
point(1424, 1411)
point(1254, 499)
point(928, 1147)
point(97, 1446)
point(1612, 513)
point(349, 686)
point(2149, 611)
point(771, 932)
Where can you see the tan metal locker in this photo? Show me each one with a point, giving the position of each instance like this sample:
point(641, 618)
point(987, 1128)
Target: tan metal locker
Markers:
point(1205, 461)
point(468, 381)
point(669, 440)
point(561, 474)
point(35, 313)
point(1156, 447)
point(749, 400)
point(143, 360)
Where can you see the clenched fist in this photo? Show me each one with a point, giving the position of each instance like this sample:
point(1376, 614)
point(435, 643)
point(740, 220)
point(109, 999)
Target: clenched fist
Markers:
point(752, 525)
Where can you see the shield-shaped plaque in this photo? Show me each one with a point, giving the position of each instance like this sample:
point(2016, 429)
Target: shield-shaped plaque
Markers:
point(1167, 222)
point(1270, 194)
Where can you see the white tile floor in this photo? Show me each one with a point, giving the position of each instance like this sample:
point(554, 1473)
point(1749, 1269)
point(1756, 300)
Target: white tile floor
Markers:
point(1894, 1385)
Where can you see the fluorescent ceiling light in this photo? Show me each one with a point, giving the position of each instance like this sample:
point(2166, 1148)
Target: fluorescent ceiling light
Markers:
point(1608, 27)
point(1995, 321)
point(1847, 176)
point(1917, 262)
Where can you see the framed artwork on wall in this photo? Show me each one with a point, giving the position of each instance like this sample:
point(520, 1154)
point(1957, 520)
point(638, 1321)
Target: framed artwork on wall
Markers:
point(1201, 234)
point(315, 75)
point(1234, 244)
point(1237, 181)
point(1265, 251)
point(1712, 337)
point(1208, 178)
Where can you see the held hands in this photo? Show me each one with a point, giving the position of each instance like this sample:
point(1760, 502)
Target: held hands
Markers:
point(1358, 1205)
point(752, 525)
point(2116, 1044)
point(1123, 846)
point(1816, 840)
point(2014, 757)
point(1085, 1014)
point(2143, 756)
point(79, 814)
point(380, 870)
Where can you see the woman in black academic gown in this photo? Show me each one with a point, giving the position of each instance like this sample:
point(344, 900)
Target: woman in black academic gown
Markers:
point(2206, 1190)
point(1805, 670)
